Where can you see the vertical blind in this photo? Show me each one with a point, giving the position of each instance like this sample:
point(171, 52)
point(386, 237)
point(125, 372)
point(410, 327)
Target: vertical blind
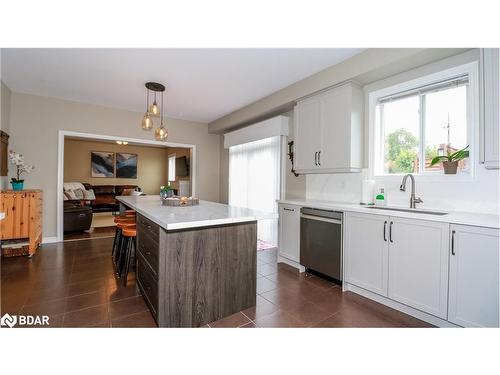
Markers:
point(254, 181)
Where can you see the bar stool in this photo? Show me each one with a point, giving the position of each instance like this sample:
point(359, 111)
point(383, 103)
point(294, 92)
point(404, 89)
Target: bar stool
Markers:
point(120, 224)
point(129, 234)
point(120, 221)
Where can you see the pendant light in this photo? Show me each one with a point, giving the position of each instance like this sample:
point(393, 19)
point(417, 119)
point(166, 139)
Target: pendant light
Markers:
point(154, 109)
point(161, 133)
point(147, 121)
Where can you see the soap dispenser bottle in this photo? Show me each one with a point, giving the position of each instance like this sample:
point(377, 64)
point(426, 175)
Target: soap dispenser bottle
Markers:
point(380, 198)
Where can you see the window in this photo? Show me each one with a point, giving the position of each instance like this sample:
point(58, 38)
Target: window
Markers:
point(171, 168)
point(413, 124)
point(255, 181)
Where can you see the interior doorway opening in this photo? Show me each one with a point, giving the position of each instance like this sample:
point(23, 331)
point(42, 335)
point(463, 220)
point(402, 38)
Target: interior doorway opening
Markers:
point(94, 169)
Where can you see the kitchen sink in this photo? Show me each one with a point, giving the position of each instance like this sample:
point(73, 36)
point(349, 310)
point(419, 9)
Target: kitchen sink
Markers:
point(412, 210)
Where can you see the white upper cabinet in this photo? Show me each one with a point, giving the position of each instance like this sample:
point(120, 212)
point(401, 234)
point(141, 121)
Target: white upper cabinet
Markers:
point(329, 131)
point(491, 107)
point(474, 277)
point(307, 113)
point(366, 251)
point(418, 264)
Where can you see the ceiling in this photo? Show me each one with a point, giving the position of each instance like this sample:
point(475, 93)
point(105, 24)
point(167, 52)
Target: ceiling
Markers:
point(202, 84)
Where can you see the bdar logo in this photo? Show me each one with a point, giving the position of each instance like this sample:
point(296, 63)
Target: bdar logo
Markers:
point(8, 320)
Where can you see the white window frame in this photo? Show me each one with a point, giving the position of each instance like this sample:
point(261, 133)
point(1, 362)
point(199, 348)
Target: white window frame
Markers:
point(168, 177)
point(472, 70)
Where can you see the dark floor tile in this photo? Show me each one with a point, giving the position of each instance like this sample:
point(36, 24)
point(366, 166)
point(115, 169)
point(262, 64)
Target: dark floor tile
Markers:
point(53, 307)
point(262, 308)
point(284, 298)
point(140, 320)
point(279, 319)
point(332, 300)
point(116, 291)
point(87, 317)
point(232, 321)
point(349, 317)
point(249, 325)
point(83, 301)
point(267, 269)
point(87, 287)
point(126, 307)
point(265, 285)
point(309, 313)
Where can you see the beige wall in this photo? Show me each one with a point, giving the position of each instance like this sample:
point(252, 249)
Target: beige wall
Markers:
point(5, 97)
point(36, 120)
point(151, 164)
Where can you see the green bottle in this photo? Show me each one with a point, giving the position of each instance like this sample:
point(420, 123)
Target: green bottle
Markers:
point(380, 198)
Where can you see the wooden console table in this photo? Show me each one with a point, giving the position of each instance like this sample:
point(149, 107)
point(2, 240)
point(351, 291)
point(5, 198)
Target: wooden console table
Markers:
point(23, 217)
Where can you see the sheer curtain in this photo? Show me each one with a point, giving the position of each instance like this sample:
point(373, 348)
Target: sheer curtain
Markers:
point(254, 181)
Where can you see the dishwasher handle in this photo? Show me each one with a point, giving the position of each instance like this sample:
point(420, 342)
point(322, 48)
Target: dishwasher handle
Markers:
point(320, 218)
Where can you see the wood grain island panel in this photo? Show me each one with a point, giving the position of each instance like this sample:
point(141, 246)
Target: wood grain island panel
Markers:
point(204, 274)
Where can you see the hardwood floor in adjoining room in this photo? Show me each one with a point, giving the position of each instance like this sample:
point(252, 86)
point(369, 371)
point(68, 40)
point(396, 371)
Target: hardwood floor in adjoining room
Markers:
point(74, 283)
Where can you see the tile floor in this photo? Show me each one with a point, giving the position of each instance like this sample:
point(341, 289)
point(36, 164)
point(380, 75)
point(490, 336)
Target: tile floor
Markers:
point(73, 283)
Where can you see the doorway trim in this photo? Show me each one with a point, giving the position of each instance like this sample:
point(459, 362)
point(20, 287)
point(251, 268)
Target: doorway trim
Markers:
point(60, 165)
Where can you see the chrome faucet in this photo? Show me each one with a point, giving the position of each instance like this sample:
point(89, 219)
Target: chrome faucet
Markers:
point(413, 200)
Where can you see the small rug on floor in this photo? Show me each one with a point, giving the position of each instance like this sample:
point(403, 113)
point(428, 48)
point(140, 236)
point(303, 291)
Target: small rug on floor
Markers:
point(263, 245)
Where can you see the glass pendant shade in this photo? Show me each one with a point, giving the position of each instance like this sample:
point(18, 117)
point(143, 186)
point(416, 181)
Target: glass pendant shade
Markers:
point(161, 133)
point(154, 109)
point(147, 122)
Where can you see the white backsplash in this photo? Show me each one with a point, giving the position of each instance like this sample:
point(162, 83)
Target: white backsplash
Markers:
point(480, 194)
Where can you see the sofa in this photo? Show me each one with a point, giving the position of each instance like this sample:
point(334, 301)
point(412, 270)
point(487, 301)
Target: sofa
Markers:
point(77, 217)
point(105, 196)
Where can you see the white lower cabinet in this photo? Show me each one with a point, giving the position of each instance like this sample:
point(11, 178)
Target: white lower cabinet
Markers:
point(366, 251)
point(289, 232)
point(405, 260)
point(418, 264)
point(474, 277)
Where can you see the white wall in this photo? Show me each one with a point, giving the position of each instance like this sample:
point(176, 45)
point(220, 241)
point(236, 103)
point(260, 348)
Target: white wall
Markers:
point(480, 194)
point(35, 122)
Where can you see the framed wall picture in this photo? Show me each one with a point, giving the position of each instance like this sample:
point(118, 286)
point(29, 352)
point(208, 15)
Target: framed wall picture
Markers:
point(126, 165)
point(102, 164)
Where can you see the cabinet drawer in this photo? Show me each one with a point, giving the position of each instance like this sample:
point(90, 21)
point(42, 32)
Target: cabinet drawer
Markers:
point(149, 250)
point(148, 227)
point(147, 283)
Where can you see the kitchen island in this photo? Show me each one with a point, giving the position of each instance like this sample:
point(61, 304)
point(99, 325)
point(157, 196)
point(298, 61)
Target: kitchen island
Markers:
point(195, 264)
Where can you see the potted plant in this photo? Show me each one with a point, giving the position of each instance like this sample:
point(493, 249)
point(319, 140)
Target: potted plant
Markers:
point(18, 160)
point(166, 192)
point(450, 161)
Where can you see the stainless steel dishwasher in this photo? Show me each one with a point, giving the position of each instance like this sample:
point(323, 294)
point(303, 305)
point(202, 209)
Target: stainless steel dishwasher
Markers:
point(321, 241)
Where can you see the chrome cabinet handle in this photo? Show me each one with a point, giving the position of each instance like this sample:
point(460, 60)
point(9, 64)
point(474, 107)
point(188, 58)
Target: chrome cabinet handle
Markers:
point(390, 232)
point(316, 158)
point(452, 242)
point(385, 227)
point(319, 158)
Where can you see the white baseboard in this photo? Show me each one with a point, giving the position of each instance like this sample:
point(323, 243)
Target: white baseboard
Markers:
point(291, 262)
point(438, 322)
point(49, 240)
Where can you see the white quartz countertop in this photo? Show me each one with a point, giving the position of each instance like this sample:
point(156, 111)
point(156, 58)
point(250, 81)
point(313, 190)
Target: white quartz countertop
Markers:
point(453, 217)
point(182, 217)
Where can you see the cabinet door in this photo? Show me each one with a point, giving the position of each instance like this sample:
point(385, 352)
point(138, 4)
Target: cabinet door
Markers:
point(307, 134)
point(473, 293)
point(289, 232)
point(335, 119)
point(491, 107)
point(365, 251)
point(418, 264)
